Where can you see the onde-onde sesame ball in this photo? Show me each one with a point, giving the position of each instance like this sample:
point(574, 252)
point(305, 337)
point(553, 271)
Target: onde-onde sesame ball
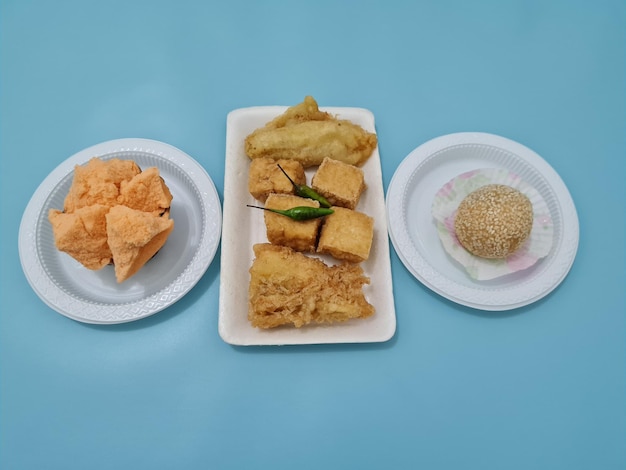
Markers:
point(494, 221)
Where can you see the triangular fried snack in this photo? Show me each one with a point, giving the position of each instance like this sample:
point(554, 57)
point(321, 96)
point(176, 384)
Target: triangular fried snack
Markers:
point(146, 192)
point(82, 235)
point(134, 237)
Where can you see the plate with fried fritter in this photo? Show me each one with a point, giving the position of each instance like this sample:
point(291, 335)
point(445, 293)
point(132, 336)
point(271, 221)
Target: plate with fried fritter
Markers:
point(144, 261)
point(271, 294)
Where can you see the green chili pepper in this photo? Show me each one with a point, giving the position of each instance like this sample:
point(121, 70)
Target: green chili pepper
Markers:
point(299, 212)
point(303, 190)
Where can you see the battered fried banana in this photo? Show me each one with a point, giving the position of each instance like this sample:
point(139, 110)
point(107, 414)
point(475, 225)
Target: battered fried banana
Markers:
point(308, 135)
point(289, 288)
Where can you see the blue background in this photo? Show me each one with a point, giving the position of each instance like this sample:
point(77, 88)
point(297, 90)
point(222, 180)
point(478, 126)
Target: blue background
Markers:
point(542, 387)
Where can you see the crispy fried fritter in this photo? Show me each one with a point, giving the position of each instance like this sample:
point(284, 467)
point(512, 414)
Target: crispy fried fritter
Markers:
point(305, 111)
point(308, 135)
point(289, 288)
point(134, 237)
point(146, 192)
point(113, 213)
point(82, 235)
point(98, 182)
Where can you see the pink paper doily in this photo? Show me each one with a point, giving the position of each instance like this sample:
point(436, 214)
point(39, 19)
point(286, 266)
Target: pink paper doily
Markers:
point(444, 208)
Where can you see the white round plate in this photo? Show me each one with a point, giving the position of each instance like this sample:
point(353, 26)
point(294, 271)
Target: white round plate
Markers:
point(95, 296)
point(413, 231)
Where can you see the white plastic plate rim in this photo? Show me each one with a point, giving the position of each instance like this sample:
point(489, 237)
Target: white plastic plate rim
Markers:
point(244, 226)
point(528, 287)
point(62, 299)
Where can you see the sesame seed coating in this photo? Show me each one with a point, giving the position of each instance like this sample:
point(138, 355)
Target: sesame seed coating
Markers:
point(494, 221)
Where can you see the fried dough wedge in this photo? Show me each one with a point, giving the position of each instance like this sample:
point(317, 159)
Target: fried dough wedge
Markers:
point(308, 135)
point(82, 235)
point(290, 288)
point(134, 237)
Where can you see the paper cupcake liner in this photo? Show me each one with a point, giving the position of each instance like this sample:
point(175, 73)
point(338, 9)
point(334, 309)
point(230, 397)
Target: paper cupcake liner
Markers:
point(444, 209)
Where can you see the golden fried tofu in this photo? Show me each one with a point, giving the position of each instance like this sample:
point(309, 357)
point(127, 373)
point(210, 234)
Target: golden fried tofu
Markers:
point(265, 177)
point(134, 237)
point(301, 235)
point(308, 135)
point(146, 192)
point(347, 235)
point(98, 182)
point(290, 288)
point(82, 235)
point(341, 184)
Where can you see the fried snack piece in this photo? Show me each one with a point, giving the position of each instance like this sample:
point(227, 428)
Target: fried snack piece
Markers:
point(265, 177)
point(134, 237)
point(98, 182)
point(341, 184)
point(113, 198)
point(308, 135)
point(146, 192)
point(300, 235)
point(82, 235)
point(308, 110)
point(289, 288)
point(347, 235)
point(494, 221)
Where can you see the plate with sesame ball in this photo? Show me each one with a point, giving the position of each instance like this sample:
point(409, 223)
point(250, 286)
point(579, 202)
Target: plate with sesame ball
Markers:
point(427, 187)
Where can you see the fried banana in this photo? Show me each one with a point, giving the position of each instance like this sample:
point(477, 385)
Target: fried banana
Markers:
point(308, 135)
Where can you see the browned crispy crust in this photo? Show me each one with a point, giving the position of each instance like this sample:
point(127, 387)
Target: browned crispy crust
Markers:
point(265, 177)
point(289, 288)
point(308, 135)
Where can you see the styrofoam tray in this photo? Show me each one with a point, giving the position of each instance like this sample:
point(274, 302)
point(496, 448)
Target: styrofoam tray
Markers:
point(243, 227)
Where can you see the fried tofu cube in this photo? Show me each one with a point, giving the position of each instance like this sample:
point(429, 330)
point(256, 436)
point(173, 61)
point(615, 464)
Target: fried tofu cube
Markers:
point(265, 177)
point(340, 183)
point(300, 235)
point(347, 235)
